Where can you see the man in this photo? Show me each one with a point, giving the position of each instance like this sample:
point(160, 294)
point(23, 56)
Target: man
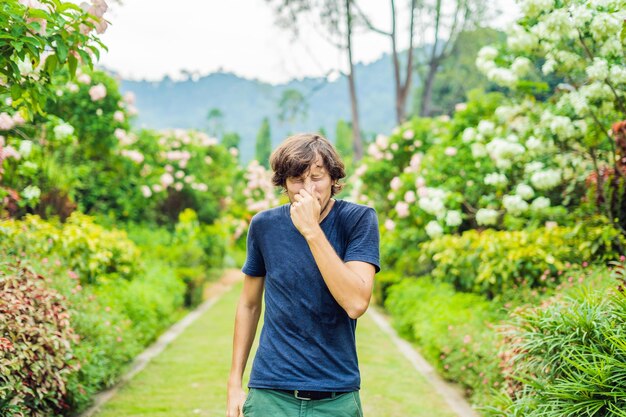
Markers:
point(315, 260)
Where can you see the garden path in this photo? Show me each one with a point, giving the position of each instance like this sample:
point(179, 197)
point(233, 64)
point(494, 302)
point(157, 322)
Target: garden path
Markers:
point(188, 368)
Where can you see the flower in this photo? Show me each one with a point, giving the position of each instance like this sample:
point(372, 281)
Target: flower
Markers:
point(545, 180)
point(478, 150)
point(524, 191)
point(486, 217)
point(118, 116)
point(469, 134)
point(521, 66)
point(599, 70)
point(408, 134)
point(409, 196)
point(487, 53)
point(514, 204)
point(133, 155)
point(486, 127)
point(146, 191)
point(503, 150)
point(97, 92)
point(540, 203)
point(496, 179)
point(166, 179)
point(395, 183)
point(453, 218)
point(129, 98)
point(450, 151)
point(434, 229)
point(390, 224)
point(432, 202)
point(402, 209)
point(84, 79)
point(6, 121)
point(31, 192)
point(26, 146)
point(533, 143)
point(382, 142)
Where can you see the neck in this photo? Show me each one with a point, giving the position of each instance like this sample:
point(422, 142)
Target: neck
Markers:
point(326, 209)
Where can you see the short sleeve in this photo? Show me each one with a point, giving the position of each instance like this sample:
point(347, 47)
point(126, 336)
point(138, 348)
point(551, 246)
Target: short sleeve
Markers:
point(364, 240)
point(254, 265)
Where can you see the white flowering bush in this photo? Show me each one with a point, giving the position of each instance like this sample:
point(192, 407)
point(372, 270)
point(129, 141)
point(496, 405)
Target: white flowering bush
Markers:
point(544, 153)
point(581, 44)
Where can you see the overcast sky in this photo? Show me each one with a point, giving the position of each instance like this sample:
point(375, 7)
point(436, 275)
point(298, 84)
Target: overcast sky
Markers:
point(148, 39)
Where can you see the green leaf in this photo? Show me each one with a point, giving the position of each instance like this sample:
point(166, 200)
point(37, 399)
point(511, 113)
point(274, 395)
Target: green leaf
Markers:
point(61, 49)
point(16, 91)
point(51, 64)
point(17, 45)
point(37, 13)
point(85, 57)
point(623, 34)
point(73, 64)
point(95, 51)
point(65, 6)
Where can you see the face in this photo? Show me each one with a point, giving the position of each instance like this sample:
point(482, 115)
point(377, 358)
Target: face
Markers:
point(316, 175)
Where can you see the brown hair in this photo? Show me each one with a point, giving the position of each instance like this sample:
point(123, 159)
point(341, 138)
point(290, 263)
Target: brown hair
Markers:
point(296, 155)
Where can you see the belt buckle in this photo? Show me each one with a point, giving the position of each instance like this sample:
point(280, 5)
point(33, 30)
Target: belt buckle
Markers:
point(297, 392)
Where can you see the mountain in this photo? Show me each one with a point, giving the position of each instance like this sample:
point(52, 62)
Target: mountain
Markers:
point(244, 103)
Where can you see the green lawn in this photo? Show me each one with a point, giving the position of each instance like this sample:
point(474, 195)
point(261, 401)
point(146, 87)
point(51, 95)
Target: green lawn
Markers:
point(189, 377)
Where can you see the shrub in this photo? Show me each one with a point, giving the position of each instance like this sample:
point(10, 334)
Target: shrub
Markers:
point(490, 262)
point(452, 329)
point(566, 358)
point(36, 353)
point(90, 250)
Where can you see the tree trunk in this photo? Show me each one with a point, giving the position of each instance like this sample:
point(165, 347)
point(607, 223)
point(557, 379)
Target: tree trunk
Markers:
point(402, 87)
point(357, 143)
point(427, 90)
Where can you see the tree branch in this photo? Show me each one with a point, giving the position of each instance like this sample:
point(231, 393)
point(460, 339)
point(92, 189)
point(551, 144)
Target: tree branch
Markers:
point(367, 21)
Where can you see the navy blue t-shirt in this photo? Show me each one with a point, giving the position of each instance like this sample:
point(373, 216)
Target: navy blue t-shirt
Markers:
point(308, 340)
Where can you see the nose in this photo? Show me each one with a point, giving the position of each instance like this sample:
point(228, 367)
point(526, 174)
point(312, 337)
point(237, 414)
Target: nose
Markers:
point(308, 184)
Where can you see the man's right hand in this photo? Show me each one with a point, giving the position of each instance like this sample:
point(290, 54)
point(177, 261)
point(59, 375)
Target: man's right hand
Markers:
point(236, 398)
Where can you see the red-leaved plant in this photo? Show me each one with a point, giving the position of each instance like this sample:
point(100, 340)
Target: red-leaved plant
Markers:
point(35, 345)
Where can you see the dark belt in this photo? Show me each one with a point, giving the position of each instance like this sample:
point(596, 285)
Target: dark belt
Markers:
point(311, 395)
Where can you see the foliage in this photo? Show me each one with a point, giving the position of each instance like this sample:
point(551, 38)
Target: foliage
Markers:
point(566, 358)
point(458, 73)
point(582, 43)
point(454, 330)
point(39, 39)
point(85, 157)
point(93, 253)
point(264, 144)
point(36, 352)
point(495, 262)
point(292, 105)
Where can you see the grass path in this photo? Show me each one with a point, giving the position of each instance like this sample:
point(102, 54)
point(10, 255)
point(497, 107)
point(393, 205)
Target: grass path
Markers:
point(189, 377)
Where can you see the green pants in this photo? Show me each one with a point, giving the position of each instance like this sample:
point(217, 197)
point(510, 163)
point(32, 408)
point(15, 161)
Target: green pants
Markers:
point(270, 403)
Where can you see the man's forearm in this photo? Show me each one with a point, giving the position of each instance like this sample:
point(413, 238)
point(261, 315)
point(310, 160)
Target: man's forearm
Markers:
point(246, 322)
point(348, 288)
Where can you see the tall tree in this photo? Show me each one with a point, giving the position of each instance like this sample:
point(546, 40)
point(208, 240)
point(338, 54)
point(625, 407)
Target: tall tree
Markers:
point(343, 133)
point(264, 144)
point(402, 79)
point(436, 23)
point(215, 122)
point(446, 29)
point(291, 105)
point(231, 140)
point(337, 18)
